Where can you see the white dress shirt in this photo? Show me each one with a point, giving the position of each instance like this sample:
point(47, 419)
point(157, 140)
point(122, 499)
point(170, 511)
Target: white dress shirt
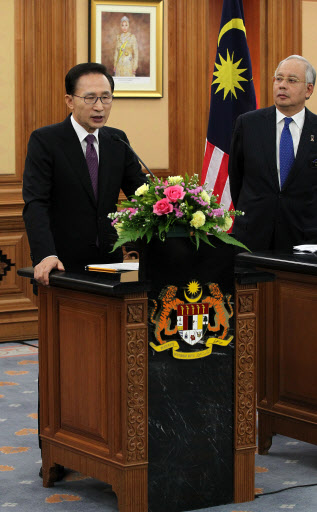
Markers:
point(295, 127)
point(82, 134)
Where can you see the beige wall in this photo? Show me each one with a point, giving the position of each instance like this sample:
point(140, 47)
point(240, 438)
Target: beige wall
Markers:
point(309, 42)
point(145, 121)
point(7, 91)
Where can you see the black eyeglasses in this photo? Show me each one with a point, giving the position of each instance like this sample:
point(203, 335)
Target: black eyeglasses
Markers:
point(91, 100)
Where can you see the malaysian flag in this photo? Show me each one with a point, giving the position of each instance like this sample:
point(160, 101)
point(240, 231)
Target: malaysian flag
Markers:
point(232, 94)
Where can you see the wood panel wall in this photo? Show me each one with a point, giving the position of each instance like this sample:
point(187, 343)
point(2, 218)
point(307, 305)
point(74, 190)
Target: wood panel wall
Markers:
point(45, 48)
point(187, 84)
point(281, 36)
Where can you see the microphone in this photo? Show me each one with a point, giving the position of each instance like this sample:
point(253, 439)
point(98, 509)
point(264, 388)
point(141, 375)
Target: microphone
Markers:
point(117, 138)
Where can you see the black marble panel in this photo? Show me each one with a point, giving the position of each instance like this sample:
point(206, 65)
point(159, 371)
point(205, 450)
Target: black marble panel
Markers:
point(190, 401)
point(190, 431)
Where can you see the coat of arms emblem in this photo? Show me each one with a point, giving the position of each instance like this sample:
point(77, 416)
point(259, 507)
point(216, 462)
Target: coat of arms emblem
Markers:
point(199, 319)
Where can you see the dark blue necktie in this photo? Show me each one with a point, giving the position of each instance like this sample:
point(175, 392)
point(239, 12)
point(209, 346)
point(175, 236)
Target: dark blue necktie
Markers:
point(286, 151)
point(92, 162)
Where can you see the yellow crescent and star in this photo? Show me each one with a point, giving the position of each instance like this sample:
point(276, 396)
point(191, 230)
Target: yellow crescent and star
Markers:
point(195, 290)
point(228, 74)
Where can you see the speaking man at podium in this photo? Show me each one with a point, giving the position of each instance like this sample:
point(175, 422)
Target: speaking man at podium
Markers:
point(73, 174)
point(273, 164)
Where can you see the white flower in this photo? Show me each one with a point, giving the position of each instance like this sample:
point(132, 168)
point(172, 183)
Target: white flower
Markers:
point(198, 219)
point(205, 197)
point(141, 191)
point(175, 180)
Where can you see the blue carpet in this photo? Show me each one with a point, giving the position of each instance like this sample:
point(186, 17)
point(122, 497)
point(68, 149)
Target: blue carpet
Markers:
point(290, 463)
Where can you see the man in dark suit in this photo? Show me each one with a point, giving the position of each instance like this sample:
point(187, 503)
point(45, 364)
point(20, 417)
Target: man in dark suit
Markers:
point(66, 207)
point(273, 173)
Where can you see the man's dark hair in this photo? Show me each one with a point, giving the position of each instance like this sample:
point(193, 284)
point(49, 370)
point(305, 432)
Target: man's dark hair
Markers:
point(86, 68)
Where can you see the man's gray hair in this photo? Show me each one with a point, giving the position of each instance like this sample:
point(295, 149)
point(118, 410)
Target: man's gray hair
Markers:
point(310, 73)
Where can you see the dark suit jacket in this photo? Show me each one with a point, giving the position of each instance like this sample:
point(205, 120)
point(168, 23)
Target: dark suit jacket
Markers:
point(61, 214)
point(273, 218)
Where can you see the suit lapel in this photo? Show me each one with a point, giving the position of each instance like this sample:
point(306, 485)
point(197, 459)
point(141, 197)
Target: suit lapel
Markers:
point(268, 137)
point(304, 147)
point(105, 163)
point(78, 165)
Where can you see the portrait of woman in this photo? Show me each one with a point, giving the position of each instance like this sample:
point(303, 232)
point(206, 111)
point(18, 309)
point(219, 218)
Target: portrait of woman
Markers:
point(126, 53)
point(128, 41)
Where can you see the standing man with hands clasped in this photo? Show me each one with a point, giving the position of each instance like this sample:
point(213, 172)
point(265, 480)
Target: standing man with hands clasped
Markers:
point(273, 164)
point(73, 174)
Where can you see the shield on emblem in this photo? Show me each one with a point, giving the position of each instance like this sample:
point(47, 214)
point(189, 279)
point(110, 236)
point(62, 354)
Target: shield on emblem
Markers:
point(192, 321)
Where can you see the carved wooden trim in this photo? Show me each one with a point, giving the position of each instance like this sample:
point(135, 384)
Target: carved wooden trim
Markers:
point(245, 382)
point(135, 313)
point(137, 395)
point(245, 391)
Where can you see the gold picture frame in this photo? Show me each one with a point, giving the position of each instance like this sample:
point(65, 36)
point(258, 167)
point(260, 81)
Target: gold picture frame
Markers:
point(127, 37)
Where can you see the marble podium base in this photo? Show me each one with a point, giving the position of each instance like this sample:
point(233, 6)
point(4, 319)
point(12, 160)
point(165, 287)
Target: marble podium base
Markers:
point(190, 402)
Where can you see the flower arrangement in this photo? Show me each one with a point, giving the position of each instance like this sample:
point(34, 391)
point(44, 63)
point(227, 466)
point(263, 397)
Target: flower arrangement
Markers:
point(162, 205)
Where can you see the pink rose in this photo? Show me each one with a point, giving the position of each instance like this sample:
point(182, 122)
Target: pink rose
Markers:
point(162, 207)
point(174, 193)
point(132, 211)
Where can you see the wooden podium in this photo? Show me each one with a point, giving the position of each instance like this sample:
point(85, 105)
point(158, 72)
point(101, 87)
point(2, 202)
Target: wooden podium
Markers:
point(287, 360)
point(93, 355)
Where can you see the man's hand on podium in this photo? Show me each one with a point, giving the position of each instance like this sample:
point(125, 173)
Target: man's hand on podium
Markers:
point(43, 269)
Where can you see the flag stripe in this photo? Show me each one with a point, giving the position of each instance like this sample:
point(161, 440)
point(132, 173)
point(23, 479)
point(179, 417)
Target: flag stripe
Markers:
point(222, 176)
point(213, 158)
point(206, 163)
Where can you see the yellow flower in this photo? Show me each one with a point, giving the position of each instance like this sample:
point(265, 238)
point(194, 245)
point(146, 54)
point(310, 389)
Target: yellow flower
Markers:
point(205, 197)
point(227, 224)
point(175, 180)
point(198, 219)
point(118, 227)
point(141, 191)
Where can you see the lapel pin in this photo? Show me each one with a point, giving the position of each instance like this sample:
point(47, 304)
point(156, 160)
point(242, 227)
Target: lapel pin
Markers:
point(312, 138)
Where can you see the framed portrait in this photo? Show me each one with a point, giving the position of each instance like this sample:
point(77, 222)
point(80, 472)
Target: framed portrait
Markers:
point(127, 37)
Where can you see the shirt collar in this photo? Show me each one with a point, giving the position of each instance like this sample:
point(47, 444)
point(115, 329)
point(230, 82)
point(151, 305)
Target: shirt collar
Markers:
point(81, 132)
point(298, 118)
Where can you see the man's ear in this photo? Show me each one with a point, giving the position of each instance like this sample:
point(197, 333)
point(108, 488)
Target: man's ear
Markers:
point(69, 101)
point(309, 92)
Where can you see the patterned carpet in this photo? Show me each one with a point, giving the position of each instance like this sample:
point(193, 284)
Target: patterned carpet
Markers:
point(290, 463)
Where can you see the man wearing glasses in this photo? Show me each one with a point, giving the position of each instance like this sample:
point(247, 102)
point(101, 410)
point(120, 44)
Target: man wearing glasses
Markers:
point(73, 174)
point(273, 164)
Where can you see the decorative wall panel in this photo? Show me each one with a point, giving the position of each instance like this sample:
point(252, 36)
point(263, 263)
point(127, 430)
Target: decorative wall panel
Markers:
point(42, 57)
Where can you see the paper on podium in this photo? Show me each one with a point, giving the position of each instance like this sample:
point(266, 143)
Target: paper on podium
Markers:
point(124, 272)
point(114, 267)
point(305, 248)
